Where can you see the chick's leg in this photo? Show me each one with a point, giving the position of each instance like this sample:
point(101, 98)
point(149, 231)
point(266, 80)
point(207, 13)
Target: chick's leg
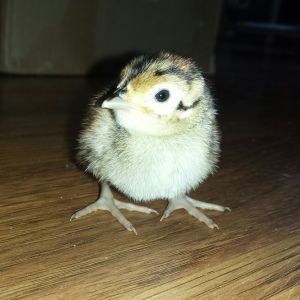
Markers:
point(107, 202)
point(191, 205)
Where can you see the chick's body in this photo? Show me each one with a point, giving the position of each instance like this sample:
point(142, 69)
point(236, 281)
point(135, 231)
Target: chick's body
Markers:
point(150, 167)
point(154, 137)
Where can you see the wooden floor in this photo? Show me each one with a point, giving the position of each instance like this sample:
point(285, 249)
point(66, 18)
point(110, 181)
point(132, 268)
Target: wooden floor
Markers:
point(254, 255)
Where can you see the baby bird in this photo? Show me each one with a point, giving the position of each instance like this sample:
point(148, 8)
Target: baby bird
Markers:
point(154, 137)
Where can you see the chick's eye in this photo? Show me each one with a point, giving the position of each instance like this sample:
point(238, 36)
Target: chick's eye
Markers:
point(162, 96)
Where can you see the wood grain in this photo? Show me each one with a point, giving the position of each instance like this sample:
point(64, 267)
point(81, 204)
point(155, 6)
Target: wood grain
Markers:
point(254, 255)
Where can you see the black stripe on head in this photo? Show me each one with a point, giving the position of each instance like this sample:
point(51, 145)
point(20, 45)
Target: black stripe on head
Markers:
point(174, 70)
point(188, 75)
point(140, 64)
point(181, 106)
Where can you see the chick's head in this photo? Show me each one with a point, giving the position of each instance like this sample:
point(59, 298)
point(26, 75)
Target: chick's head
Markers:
point(158, 95)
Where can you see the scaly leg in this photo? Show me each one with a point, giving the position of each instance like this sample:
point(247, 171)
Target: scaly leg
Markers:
point(106, 201)
point(191, 205)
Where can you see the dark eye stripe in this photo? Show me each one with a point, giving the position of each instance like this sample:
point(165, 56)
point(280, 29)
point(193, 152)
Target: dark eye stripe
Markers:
point(181, 106)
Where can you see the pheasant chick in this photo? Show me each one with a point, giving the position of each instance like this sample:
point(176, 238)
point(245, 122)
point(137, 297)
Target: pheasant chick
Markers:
point(154, 137)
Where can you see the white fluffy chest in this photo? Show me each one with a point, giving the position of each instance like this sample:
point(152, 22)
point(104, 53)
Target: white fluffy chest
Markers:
point(151, 168)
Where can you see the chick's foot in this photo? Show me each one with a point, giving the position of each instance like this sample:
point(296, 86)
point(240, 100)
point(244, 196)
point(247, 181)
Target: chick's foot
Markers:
point(109, 203)
point(191, 205)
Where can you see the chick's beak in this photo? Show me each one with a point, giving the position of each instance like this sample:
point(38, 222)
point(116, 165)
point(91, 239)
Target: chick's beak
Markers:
point(117, 103)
